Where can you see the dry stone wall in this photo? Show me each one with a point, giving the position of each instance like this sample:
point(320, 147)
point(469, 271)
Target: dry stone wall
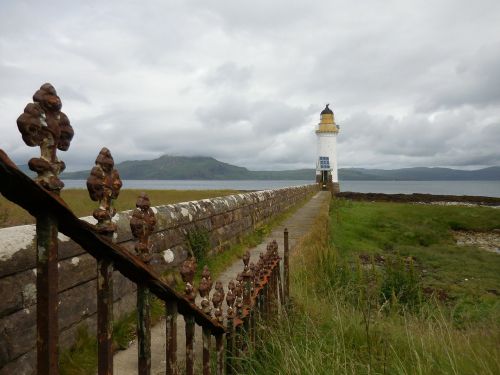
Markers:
point(224, 219)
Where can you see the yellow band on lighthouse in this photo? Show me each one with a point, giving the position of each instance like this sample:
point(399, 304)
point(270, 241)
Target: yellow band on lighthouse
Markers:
point(327, 124)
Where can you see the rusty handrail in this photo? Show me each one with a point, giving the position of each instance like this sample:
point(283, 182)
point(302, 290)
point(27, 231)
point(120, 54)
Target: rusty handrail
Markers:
point(258, 291)
point(20, 189)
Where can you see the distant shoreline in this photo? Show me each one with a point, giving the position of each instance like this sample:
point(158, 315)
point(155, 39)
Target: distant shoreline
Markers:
point(471, 188)
point(169, 167)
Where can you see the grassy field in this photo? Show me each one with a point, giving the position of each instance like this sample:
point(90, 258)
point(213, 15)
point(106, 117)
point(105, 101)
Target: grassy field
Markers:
point(381, 288)
point(81, 204)
point(461, 276)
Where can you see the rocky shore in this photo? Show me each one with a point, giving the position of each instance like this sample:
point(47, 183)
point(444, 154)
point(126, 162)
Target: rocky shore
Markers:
point(489, 241)
point(423, 198)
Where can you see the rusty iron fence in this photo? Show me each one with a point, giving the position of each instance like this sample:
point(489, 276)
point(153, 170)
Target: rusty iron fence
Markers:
point(258, 293)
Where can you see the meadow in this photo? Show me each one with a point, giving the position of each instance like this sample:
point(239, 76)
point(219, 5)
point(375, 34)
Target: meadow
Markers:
point(382, 288)
point(79, 201)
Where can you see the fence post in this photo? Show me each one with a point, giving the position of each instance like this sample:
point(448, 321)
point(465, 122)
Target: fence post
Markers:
point(204, 290)
point(142, 224)
point(104, 317)
point(230, 299)
point(171, 337)
point(144, 330)
point(104, 185)
point(43, 124)
point(238, 325)
point(219, 347)
point(47, 298)
point(187, 273)
point(286, 266)
point(217, 299)
point(189, 319)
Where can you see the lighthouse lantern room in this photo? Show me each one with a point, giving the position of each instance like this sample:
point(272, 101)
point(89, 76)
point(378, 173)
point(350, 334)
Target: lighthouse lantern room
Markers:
point(326, 161)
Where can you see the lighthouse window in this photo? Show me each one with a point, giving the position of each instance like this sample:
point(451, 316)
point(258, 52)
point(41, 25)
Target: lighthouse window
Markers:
point(324, 162)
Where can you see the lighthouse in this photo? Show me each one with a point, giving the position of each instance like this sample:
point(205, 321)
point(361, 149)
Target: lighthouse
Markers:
point(326, 161)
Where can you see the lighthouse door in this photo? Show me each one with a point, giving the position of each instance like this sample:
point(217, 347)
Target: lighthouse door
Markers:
point(324, 179)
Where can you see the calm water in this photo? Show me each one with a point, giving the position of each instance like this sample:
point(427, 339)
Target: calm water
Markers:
point(484, 188)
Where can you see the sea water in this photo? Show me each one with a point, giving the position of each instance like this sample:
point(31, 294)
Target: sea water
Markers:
point(482, 188)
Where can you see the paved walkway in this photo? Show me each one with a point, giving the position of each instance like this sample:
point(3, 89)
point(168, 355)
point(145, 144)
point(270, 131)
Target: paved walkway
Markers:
point(125, 362)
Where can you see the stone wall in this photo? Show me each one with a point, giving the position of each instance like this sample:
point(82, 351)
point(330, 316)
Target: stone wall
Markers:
point(225, 219)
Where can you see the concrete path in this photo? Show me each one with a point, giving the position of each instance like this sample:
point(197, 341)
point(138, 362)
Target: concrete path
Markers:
point(125, 362)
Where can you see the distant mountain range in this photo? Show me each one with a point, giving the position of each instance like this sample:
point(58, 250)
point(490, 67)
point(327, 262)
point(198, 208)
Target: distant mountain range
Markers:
point(193, 168)
point(206, 168)
point(420, 174)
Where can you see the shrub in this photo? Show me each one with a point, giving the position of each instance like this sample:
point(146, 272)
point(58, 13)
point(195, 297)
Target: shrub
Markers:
point(455, 225)
point(199, 243)
point(400, 283)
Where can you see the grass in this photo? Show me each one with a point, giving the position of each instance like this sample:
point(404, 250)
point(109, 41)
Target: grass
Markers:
point(461, 275)
point(218, 263)
point(352, 316)
point(80, 203)
point(81, 358)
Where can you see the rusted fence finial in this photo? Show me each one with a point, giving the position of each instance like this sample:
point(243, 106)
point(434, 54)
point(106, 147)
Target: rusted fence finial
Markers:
point(262, 267)
point(43, 124)
point(104, 185)
point(205, 274)
point(247, 281)
point(274, 248)
point(217, 299)
point(204, 290)
point(238, 302)
point(142, 224)
point(253, 272)
point(230, 298)
point(187, 273)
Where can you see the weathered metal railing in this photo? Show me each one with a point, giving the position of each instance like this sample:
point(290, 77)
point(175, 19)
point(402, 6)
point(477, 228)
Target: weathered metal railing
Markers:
point(256, 294)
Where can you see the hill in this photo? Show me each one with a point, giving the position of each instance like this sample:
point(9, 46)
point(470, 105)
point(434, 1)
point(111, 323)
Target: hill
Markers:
point(207, 168)
point(194, 168)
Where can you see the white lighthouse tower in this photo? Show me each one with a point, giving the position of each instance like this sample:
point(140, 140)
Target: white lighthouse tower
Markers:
point(326, 167)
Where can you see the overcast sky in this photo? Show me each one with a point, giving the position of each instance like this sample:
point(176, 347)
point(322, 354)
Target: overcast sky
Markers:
point(412, 83)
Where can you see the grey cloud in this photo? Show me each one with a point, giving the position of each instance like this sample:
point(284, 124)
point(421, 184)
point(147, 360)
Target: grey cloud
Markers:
point(259, 16)
point(70, 93)
point(231, 110)
point(474, 81)
point(264, 117)
point(229, 75)
point(416, 140)
point(411, 83)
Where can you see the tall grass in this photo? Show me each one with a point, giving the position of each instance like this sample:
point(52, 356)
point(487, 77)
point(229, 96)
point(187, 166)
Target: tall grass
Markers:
point(353, 318)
